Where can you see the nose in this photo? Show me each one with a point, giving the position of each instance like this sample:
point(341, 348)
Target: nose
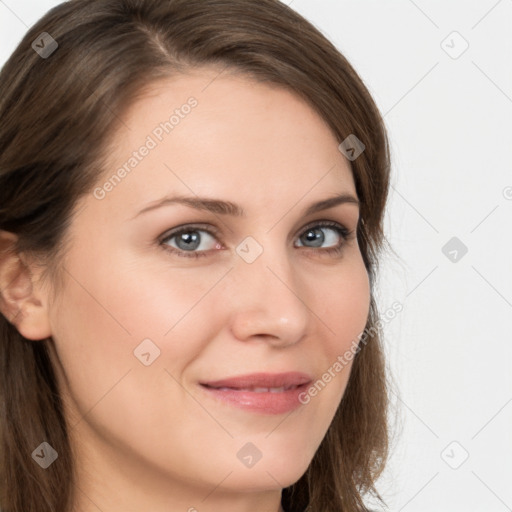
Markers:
point(268, 301)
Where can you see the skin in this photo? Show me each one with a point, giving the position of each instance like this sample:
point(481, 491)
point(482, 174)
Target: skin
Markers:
point(148, 437)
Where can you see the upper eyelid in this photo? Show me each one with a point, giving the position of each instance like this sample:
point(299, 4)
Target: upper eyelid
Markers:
point(213, 230)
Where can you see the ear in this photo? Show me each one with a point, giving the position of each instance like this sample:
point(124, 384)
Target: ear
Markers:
point(22, 301)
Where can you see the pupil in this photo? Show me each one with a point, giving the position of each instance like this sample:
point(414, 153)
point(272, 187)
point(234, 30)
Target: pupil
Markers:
point(318, 237)
point(189, 239)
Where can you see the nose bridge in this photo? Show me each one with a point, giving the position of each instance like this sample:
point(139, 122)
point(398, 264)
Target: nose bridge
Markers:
point(267, 299)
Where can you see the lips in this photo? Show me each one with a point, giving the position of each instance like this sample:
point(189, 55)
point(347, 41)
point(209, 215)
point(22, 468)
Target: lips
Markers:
point(261, 382)
point(261, 393)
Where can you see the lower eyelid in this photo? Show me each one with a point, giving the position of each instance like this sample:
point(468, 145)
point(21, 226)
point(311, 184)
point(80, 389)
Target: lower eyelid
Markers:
point(340, 229)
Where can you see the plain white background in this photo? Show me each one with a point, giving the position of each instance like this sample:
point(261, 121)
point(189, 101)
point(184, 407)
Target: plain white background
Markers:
point(440, 73)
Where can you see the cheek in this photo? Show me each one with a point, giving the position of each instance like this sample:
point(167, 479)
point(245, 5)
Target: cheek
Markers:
point(102, 317)
point(344, 304)
point(110, 306)
point(344, 308)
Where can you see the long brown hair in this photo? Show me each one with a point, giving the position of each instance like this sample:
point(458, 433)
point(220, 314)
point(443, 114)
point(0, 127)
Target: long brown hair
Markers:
point(58, 113)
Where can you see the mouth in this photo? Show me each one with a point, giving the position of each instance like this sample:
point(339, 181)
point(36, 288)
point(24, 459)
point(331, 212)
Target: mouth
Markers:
point(260, 392)
point(253, 389)
point(262, 382)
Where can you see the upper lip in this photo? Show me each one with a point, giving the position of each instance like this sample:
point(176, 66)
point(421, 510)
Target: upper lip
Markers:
point(261, 380)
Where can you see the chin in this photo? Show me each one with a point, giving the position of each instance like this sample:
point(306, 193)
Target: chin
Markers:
point(276, 472)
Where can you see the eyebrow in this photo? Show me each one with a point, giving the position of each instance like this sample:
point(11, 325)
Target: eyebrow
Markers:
point(218, 206)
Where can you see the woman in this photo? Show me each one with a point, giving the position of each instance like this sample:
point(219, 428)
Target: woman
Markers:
point(192, 196)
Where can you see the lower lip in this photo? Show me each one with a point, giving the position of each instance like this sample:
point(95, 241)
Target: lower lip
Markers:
point(265, 402)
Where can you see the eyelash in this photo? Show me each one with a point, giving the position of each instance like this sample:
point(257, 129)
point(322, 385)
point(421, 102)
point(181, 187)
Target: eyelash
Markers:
point(345, 233)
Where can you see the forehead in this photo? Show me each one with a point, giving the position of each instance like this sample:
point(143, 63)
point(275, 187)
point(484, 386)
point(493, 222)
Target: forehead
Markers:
point(209, 131)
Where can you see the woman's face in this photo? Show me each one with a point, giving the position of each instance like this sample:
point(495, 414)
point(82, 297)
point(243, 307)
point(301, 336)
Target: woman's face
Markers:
point(146, 316)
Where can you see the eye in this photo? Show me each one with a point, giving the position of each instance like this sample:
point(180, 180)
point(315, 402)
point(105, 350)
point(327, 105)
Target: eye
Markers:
point(192, 241)
point(188, 239)
point(315, 235)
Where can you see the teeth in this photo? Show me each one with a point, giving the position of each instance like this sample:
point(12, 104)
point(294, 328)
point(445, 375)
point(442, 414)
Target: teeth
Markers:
point(266, 390)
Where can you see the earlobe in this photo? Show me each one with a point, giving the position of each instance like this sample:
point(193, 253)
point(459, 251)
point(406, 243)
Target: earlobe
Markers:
point(22, 301)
